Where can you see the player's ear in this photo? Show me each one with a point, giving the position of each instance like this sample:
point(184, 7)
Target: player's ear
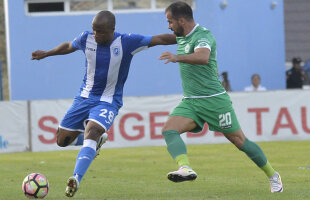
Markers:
point(181, 21)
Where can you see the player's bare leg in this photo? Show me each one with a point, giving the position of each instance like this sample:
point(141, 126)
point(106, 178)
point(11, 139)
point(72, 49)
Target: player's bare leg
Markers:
point(255, 153)
point(66, 137)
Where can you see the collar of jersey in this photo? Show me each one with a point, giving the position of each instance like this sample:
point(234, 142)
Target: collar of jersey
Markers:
point(192, 30)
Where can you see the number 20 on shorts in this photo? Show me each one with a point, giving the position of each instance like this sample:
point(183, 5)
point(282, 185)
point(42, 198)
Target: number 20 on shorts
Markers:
point(225, 119)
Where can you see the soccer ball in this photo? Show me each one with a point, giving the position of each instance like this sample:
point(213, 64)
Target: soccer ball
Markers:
point(35, 185)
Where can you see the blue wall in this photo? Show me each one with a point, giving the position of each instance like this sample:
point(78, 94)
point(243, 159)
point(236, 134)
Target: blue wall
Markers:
point(250, 39)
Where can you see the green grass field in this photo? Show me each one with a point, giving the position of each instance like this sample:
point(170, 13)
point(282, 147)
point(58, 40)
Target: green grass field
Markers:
point(140, 173)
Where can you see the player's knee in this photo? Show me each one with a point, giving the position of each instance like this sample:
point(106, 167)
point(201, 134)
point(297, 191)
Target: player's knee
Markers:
point(165, 128)
point(58, 138)
point(62, 140)
point(238, 142)
point(237, 138)
point(94, 133)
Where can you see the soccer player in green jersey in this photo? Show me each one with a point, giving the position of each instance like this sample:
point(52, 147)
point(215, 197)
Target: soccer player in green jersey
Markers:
point(205, 99)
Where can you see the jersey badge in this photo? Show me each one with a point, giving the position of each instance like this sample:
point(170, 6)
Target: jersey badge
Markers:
point(187, 48)
point(116, 51)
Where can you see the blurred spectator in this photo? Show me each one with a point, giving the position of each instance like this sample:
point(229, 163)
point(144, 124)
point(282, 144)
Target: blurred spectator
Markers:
point(294, 76)
point(132, 4)
point(255, 79)
point(306, 69)
point(225, 81)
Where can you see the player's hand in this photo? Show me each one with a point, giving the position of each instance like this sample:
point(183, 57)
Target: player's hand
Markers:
point(169, 57)
point(38, 55)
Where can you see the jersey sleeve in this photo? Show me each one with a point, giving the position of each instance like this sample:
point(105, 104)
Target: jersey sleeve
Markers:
point(137, 42)
point(204, 41)
point(79, 41)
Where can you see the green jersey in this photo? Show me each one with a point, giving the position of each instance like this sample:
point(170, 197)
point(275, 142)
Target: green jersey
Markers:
point(199, 81)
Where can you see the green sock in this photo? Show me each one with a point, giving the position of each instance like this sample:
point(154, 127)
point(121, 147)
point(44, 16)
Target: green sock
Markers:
point(269, 171)
point(182, 160)
point(256, 154)
point(176, 147)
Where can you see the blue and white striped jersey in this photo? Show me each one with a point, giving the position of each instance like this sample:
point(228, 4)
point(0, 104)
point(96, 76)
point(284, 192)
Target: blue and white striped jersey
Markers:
point(107, 67)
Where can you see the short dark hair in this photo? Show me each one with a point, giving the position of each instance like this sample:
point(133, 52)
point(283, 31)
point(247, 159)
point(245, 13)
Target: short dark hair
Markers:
point(107, 17)
point(180, 9)
point(296, 60)
point(254, 76)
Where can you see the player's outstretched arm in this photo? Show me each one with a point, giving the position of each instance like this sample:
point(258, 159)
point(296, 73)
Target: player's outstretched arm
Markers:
point(62, 49)
point(199, 57)
point(163, 39)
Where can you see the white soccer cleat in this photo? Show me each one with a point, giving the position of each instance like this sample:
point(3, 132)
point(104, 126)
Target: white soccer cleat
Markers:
point(276, 183)
point(184, 173)
point(72, 186)
point(103, 138)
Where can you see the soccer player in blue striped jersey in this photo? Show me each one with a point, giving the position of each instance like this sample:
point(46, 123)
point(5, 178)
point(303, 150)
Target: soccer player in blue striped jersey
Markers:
point(108, 56)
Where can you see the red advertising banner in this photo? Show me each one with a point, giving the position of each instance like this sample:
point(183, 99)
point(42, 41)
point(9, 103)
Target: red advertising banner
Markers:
point(263, 116)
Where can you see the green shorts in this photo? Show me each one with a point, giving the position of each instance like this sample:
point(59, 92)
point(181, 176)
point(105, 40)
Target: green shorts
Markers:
point(216, 111)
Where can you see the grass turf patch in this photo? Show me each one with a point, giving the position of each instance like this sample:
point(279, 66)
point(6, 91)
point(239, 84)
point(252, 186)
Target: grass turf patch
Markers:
point(139, 173)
